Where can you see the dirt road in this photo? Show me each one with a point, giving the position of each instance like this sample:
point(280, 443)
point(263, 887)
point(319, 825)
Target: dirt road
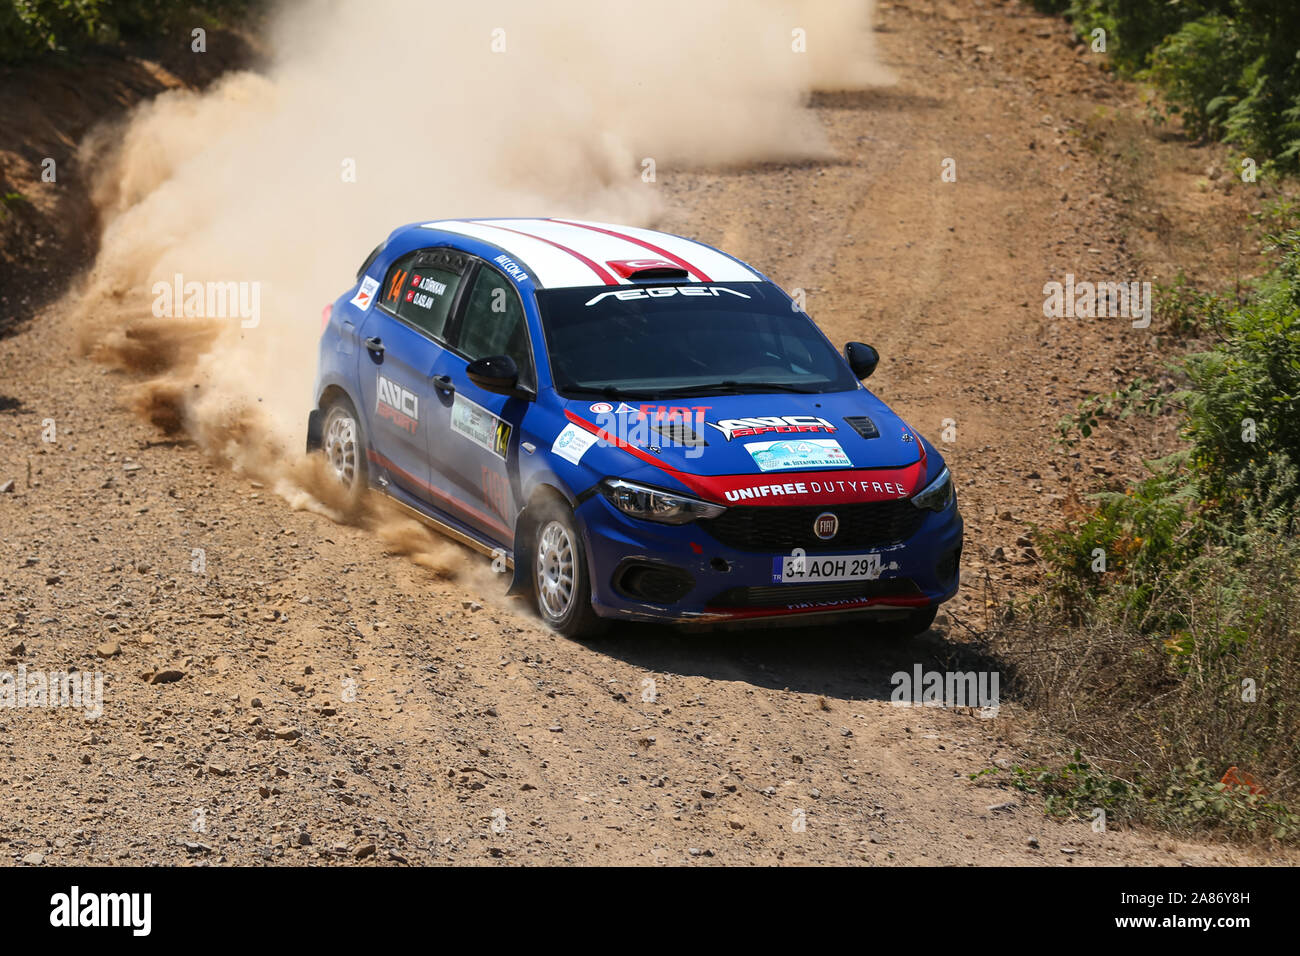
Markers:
point(279, 688)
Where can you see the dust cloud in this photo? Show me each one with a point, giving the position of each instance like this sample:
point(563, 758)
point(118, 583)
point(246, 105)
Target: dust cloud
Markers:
point(373, 115)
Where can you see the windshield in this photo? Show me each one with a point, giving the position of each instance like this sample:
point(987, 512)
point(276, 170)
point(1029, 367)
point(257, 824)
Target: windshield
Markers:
point(699, 339)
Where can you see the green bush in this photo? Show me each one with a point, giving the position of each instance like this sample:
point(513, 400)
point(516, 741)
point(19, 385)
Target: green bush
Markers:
point(1192, 799)
point(32, 27)
point(1200, 69)
point(1243, 408)
point(1228, 67)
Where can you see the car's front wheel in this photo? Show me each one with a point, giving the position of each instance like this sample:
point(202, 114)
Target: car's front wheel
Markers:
point(561, 584)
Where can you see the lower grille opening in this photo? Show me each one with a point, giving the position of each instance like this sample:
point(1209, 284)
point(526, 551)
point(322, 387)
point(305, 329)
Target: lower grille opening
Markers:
point(780, 595)
point(779, 528)
point(656, 583)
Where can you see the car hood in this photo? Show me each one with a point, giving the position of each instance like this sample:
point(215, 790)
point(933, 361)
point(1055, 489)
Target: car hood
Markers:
point(768, 434)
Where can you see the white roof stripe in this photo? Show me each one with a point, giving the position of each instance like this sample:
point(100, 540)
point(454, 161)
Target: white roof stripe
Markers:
point(555, 251)
point(551, 267)
point(593, 245)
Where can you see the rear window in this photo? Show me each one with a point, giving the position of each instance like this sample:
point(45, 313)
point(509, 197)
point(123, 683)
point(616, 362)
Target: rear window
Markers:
point(427, 300)
point(420, 289)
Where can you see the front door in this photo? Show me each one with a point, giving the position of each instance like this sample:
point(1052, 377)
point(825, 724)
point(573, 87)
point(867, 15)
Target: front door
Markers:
point(477, 457)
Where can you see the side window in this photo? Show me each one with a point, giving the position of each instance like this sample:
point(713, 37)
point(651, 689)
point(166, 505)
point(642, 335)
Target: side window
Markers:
point(395, 283)
point(494, 324)
point(420, 289)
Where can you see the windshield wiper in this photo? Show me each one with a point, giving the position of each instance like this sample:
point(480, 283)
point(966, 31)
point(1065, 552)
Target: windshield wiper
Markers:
point(736, 388)
point(604, 391)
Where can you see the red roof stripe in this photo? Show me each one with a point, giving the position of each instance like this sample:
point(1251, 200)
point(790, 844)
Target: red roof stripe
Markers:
point(693, 270)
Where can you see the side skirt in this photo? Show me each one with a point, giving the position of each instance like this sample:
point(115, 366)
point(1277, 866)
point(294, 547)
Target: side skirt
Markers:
point(446, 525)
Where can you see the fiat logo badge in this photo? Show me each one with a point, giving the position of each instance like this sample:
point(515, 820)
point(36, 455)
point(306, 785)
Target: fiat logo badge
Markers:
point(826, 526)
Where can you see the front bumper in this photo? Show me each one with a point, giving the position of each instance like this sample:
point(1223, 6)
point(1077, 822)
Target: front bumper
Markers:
point(642, 570)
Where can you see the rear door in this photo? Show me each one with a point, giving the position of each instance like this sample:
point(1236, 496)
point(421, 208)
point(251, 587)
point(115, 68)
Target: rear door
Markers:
point(403, 341)
point(477, 457)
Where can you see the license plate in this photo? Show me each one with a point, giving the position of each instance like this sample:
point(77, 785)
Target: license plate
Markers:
point(839, 567)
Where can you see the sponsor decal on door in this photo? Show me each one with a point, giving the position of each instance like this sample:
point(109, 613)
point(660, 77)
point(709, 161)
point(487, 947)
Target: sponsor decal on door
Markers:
point(473, 421)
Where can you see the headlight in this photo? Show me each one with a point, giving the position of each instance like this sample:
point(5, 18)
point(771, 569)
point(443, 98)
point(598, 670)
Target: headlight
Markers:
point(937, 495)
point(655, 504)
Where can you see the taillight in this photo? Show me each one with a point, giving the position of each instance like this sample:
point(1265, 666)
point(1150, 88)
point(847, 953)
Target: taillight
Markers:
point(325, 315)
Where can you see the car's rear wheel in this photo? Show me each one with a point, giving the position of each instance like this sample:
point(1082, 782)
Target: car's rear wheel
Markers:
point(344, 445)
point(561, 584)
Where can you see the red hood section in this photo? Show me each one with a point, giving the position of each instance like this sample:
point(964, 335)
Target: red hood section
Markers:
point(830, 487)
point(810, 487)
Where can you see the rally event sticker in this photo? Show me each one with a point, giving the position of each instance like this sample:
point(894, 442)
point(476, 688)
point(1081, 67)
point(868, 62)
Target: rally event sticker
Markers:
point(797, 453)
point(480, 426)
point(572, 443)
point(366, 294)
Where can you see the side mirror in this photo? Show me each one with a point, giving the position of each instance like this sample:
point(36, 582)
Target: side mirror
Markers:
point(495, 373)
point(862, 359)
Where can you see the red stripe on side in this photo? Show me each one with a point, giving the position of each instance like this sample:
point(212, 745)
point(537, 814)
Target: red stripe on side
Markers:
point(617, 442)
point(456, 503)
point(643, 244)
point(606, 276)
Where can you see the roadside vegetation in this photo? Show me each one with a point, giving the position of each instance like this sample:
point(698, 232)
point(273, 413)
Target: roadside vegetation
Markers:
point(1163, 650)
point(29, 28)
point(1165, 644)
point(1227, 68)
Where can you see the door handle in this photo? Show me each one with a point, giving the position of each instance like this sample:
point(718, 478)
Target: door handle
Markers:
point(443, 383)
point(375, 346)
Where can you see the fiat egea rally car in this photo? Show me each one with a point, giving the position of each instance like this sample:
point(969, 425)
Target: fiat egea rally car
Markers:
point(639, 427)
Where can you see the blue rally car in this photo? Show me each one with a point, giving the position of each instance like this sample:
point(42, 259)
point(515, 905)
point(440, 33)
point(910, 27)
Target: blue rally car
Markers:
point(641, 426)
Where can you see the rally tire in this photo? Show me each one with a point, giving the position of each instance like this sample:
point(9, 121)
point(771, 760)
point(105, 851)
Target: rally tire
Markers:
point(343, 443)
point(561, 581)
